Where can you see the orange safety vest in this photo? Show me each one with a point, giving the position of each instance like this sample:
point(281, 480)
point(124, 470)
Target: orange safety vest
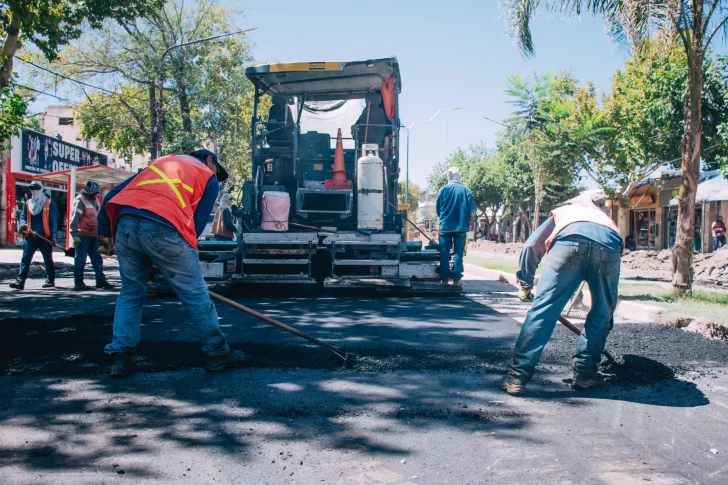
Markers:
point(46, 217)
point(171, 187)
point(218, 224)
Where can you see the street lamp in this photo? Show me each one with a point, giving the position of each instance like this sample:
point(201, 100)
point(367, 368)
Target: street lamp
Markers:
point(160, 105)
point(494, 121)
point(408, 128)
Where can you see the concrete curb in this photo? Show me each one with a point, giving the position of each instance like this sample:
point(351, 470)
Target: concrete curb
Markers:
point(628, 310)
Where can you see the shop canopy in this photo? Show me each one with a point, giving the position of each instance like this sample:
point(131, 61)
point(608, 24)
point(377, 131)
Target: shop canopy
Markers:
point(105, 176)
point(712, 190)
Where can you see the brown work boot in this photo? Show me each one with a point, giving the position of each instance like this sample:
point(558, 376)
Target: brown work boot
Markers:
point(232, 359)
point(512, 386)
point(18, 284)
point(585, 383)
point(82, 287)
point(120, 364)
point(104, 285)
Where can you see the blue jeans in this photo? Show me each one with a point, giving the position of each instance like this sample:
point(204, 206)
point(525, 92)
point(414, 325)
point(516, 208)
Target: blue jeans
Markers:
point(89, 246)
point(718, 242)
point(142, 243)
point(447, 241)
point(569, 262)
point(30, 246)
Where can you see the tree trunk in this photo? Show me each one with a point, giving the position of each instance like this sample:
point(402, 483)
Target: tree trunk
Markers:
point(537, 211)
point(154, 122)
point(526, 224)
point(10, 47)
point(682, 252)
point(184, 106)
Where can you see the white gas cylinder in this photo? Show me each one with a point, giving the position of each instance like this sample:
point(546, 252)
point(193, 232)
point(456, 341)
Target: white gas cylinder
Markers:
point(370, 189)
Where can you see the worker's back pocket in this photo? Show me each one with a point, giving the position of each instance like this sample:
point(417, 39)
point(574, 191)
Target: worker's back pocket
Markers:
point(564, 255)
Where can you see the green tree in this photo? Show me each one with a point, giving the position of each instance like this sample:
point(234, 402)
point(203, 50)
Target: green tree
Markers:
point(12, 111)
point(694, 25)
point(207, 98)
point(544, 108)
point(413, 199)
point(51, 24)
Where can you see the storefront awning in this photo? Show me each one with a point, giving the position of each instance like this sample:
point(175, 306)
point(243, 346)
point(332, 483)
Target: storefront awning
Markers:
point(105, 176)
point(712, 190)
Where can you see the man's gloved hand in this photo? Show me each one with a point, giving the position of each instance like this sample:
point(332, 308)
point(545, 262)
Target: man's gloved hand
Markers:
point(76, 241)
point(106, 246)
point(23, 228)
point(525, 295)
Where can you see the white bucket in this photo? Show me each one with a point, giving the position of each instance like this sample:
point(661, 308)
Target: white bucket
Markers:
point(276, 206)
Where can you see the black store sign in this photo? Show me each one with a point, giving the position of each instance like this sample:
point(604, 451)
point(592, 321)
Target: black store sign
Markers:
point(43, 154)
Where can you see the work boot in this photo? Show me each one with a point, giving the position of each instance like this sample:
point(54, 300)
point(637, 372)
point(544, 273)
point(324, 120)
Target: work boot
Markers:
point(120, 364)
point(48, 284)
point(226, 361)
point(18, 284)
point(512, 386)
point(104, 285)
point(585, 383)
point(457, 283)
point(82, 287)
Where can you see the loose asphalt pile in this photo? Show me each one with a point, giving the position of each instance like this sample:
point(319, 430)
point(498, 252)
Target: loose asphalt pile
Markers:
point(37, 270)
point(645, 353)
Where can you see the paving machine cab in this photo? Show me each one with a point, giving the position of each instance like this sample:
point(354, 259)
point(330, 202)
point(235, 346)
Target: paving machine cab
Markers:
point(321, 205)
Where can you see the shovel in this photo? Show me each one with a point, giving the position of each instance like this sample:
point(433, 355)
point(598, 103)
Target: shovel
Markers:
point(70, 252)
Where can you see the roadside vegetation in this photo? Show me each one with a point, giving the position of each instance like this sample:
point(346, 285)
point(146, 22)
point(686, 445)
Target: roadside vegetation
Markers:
point(709, 306)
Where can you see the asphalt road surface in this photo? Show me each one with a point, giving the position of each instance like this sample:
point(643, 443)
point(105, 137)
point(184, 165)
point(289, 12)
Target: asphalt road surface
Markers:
point(415, 403)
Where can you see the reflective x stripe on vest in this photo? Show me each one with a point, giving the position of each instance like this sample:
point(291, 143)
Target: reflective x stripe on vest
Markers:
point(172, 184)
point(170, 187)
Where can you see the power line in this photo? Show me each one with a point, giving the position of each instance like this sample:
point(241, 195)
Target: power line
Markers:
point(43, 92)
point(71, 79)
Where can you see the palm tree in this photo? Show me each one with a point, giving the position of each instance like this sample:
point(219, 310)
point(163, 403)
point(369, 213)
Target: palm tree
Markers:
point(694, 24)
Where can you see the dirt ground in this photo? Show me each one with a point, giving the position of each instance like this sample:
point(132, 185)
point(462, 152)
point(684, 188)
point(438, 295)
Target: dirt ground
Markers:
point(710, 268)
point(494, 247)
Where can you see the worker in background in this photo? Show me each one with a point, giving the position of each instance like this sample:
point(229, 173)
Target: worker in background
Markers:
point(456, 207)
point(583, 244)
point(84, 230)
point(156, 217)
point(718, 228)
point(223, 226)
point(41, 217)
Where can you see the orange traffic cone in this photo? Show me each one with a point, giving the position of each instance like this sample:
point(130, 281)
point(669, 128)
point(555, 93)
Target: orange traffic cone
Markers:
point(338, 180)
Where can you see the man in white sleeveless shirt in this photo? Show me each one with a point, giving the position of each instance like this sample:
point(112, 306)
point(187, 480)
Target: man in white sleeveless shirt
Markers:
point(582, 243)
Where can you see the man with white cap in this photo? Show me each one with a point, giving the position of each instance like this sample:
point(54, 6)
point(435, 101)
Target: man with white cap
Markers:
point(455, 207)
point(40, 217)
point(583, 244)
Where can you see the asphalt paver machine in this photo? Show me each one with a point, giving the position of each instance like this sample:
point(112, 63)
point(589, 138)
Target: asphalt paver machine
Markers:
point(321, 206)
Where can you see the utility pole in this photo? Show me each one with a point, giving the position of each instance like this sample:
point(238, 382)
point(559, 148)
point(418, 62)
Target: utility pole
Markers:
point(159, 125)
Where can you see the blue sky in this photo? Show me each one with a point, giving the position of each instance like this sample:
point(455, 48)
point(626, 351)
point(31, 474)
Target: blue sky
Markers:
point(451, 54)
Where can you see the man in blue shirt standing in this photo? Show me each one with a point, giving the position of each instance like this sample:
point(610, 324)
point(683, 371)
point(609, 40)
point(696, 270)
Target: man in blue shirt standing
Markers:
point(455, 207)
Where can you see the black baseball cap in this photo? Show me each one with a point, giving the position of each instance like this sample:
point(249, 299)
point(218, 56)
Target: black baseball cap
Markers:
point(202, 155)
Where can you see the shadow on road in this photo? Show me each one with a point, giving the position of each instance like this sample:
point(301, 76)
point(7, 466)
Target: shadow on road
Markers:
point(415, 363)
